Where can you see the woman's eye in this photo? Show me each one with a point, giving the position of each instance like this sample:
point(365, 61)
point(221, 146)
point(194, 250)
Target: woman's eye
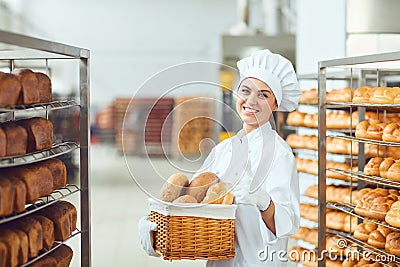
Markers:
point(245, 91)
point(262, 95)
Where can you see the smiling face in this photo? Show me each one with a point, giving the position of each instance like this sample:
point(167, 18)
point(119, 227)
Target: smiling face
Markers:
point(255, 103)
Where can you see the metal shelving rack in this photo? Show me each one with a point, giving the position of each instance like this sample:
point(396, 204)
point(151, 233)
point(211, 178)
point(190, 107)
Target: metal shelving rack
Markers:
point(379, 65)
point(25, 48)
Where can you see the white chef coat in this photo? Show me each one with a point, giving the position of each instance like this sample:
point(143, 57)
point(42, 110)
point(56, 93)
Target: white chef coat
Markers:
point(270, 157)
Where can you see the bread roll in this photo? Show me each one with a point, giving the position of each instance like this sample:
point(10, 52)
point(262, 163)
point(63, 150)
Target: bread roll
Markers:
point(185, 199)
point(339, 95)
point(363, 230)
point(228, 199)
point(384, 95)
point(391, 133)
point(372, 129)
point(376, 203)
point(173, 187)
point(29, 83)
point(394, 172)
point(393, 215)
point(393, 243)
point(10, 89)
point(363, 94)
point(384, 166)
point(199, 185)
point(372, 167)
point(377, 238)
point(216, 193)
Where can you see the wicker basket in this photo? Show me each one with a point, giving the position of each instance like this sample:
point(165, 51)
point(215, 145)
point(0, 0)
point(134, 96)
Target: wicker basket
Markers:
point(206, 232)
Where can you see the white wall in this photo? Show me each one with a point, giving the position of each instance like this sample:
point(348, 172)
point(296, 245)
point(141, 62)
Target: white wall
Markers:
point(130, 40)
point(321, 33)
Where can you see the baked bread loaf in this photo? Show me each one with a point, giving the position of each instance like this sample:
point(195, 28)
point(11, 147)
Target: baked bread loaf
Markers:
point(185, 199)
point(393, 243)
point(38, 180)
point(64, 216)
point(391, 133)
point(333, 193)
point(58, 171)
point(393, 215)
point(199, 185)
point(384, 166)
point(47, 228)
point(376, 203)
point(46, 261)
point(384, 95)
point(7, 197)
point(63, 255)
point(310, 120)
point(372, 167)
point(363, 94)
point(20, 193)
point(295, 118)
point(44, 87)
point(3, 254)
point(33, 229)
point(363, 230)
point(40, 133)
point(29, 83)
point(10, 89)
point(11, 240)
point(397, 100)
point(394, 171)
point(23, 252)
point(3, 143)
point(173, 187)
point(309, 97)
point(377, 238)
point(372, 129)
point(16, 139)
point(216, 193)
point(339, 95)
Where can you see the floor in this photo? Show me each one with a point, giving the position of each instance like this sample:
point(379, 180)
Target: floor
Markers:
point(118, 203)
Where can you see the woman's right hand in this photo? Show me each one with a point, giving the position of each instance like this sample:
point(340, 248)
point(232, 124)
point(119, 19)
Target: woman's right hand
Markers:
point(146, 229)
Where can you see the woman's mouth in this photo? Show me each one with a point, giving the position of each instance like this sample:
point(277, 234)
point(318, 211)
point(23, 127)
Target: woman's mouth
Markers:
point(250, 110)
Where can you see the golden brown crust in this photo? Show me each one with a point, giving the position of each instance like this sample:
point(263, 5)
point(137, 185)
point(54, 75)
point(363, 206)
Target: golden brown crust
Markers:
point(199, 185)
point(29, 83)
point(372, 167)
point(391, 133)
point(44, 87)
point(10, 89)
point(185, 199)
point(173, 187)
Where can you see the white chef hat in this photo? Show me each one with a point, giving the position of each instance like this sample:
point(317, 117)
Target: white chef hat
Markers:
point(277, 72)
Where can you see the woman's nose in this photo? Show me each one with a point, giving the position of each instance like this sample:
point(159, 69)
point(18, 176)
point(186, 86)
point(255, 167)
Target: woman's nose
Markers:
point(251, 99)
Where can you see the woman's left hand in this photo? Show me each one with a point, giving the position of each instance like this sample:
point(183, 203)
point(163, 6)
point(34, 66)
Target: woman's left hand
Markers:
point(244, 195)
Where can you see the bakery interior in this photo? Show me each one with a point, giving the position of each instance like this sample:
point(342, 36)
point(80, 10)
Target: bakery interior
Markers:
point(112, 127)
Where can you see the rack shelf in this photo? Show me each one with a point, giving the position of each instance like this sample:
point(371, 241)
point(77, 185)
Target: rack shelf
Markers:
point(293, 128)
point(55, 151)
point(54, 105)
point(388, 107)
point(364, 140)
point(368, 178)
point(55, 246)
point(366, 249)
point(43, 202)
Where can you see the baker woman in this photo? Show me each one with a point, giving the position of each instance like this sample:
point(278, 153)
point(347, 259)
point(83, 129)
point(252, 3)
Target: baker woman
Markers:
point(259, 163)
